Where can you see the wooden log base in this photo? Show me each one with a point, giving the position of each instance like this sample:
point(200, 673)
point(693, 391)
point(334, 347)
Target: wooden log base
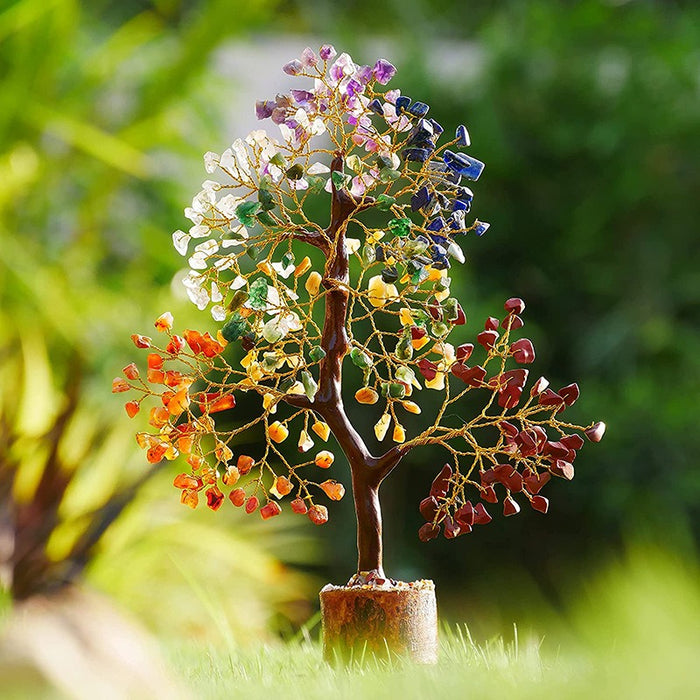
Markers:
point(385, 621)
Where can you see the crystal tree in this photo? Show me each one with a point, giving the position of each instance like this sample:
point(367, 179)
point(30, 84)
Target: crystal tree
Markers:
point(329, 245)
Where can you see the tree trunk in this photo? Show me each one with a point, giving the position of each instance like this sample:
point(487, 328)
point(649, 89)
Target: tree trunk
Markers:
point(369, 522)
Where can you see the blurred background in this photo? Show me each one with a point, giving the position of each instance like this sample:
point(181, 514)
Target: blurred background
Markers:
point(588, 118)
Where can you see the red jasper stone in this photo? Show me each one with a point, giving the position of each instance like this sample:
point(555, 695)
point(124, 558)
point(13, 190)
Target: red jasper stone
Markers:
point(487, 338)
point(488, 494)
point(428, 369)
point(514, 305)
point(481, 515)
point(510, 507)
point(570, 393)
point(535, 482)
point(428, 508)
point(465, 515)
point(523, 351)
point(441, 483)
point(540, 503)
point(595, 432)
point(464, 352)
point(563, 468)
point(428, 532)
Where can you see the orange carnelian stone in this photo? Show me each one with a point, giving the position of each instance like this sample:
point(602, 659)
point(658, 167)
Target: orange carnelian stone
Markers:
point(283, 485)
point(164, 322)
point(269, 510)
point(237, 497)
point(189, 498)
point(131, 371)
point(155, 376)
point(298, 506)
point(155, 361)
point(119, 385)
point(193, 339)
point(318, 515)
point(156, 453)
point(334, 490)
point(251, 504)
point(132, 408)
point(245, 464)
point(176, 344)
point(214, 498)
point(324, 459)
point(231, 476)
point(195, 461)
point(187, 481)
point(141, 341)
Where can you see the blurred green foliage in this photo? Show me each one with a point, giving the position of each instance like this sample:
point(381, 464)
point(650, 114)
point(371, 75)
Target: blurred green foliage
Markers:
point(105, 116)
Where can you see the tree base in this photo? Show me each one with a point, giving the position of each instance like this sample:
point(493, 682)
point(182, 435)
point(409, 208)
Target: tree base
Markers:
point(384, 621)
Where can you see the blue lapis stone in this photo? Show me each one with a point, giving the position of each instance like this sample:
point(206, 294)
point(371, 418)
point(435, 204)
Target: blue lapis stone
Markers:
point(480, 227)
point(462, 136)
point(437, 127)
point(465, 194)
point(376, 106)
point(443, 201)
point(417, 154)
point(439, 240)
point(423, 239)
point(461, 205)
point(437, 224)
point(418, 109)
point(462, 164)
point(457, 220)
point(402, 103)
point(439, 257)
point(420, 199)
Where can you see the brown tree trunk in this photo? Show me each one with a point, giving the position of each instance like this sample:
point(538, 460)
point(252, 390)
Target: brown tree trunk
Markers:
point(369, 521)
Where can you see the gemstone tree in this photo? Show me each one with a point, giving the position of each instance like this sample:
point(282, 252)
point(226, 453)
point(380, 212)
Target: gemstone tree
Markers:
point(367, 286)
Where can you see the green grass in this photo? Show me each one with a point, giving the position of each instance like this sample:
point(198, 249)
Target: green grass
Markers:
point(633, 634)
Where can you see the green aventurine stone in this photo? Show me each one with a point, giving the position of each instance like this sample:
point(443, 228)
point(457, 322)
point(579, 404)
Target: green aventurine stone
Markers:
point(400, 227)
point(406, 375)
point(360, 359)
point(266, 220)
point(384, 202)
point(296, 172)
point(451, 309)
point(234, 327)
point(237, 300)
point(269, 361)
point(246, 211)
point(309, 384)
point(316, 183)
point(266, 200)
point(395, 390)
point(418, 275)
point(438, 329)
point(388, 175)
point(286, 384)
point(258, 294)
point(316, 353)
point(339, 180)
point(278, 160)
point(288, 259)
point(404, 348)
point(253, 252)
